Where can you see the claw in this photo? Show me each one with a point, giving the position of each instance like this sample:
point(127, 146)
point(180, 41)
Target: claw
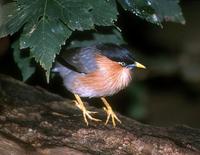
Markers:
point(110, 113)
point(86, 113)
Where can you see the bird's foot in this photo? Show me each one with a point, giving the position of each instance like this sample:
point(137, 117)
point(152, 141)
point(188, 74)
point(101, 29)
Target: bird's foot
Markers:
point(86, 113)
point(110, 113)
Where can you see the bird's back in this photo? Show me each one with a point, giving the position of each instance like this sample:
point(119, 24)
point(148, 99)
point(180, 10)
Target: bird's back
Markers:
point(81, 60)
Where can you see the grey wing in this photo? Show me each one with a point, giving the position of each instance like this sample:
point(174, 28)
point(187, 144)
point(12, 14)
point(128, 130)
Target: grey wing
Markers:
point(80, 59)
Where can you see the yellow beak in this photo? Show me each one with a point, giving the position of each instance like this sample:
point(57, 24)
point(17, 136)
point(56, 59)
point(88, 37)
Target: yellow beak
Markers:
point(139, 65)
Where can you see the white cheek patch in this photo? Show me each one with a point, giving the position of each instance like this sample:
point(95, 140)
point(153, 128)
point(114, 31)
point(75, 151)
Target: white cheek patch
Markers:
point(124, 77)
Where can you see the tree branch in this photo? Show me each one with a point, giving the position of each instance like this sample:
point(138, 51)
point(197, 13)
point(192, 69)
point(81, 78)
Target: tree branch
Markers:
point(34, 121)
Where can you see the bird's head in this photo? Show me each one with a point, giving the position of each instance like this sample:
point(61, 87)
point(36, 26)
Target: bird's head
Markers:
point(120, 55)
point(115, 64)
point(132, 65)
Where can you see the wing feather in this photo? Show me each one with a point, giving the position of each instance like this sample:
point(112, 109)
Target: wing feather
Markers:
point(79, 59)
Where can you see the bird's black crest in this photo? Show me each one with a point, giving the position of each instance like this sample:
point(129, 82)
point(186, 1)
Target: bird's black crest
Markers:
point(116, 53)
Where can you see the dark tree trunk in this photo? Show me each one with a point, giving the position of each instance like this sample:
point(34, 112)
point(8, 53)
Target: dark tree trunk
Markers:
point(34, 121)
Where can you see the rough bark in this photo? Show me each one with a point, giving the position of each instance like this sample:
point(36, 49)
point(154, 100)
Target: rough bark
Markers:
point(34, 121)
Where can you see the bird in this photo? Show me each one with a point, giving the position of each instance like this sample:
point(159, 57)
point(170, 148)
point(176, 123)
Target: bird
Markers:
point(96, 71)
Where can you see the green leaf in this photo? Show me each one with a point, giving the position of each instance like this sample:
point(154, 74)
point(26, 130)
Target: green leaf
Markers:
point(44, 39)
point(104, 13)
point(155, 11)
point(24, 63)
point(140, 8)
point(88, 38)
point(46, 24)
point(6, 12)
point(76, 14)
point(20, 15)
point(168, 10)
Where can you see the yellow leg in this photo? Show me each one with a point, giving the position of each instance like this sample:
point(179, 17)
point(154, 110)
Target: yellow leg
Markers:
point(110, 112)
point(82, 107)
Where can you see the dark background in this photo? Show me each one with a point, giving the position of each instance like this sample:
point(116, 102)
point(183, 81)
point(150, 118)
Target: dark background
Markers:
point(165, 94)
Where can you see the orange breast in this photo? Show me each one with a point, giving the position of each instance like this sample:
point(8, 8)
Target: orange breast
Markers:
point(109, 78)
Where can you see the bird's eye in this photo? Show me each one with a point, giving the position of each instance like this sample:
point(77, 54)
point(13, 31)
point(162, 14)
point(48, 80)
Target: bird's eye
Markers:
point(123, 64)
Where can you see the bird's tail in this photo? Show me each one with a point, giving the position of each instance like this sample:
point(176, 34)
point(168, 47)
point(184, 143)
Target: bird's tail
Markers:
point(60, 69)
point(56, 67)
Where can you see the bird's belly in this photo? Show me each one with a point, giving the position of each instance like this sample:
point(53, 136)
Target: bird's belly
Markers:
point(88, 91)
